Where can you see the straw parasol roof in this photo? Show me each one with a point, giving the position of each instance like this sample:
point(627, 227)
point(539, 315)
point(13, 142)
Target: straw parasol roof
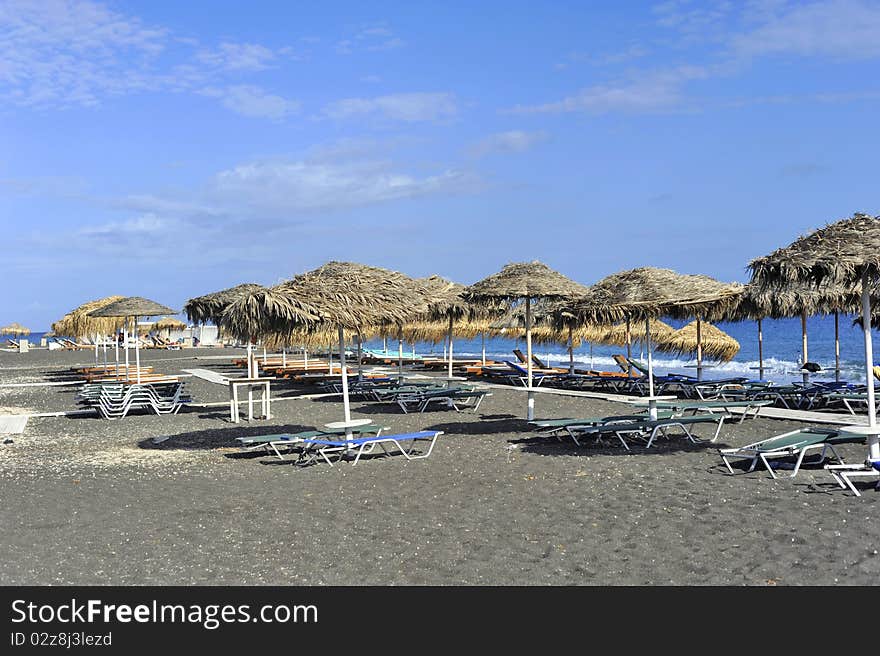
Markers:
point(616, 334)
point(15, 329)
point(839, 253)
point(131, 306)
point(652, 292)
point(447, 298)
point(355, 296)
point(80, 323)
point(210, 307)
point(715, 343)
point(169, 323)
point(524, 280)
point(757, 302)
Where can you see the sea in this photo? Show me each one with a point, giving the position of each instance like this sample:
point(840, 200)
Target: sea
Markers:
point(782, 351)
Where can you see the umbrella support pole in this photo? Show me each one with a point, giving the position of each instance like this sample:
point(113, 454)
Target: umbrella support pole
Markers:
point(653, 410)
point(530, 413)
point(360, 360)
point(760, 351)
point(137, 351)
point(699, 350)
point(450, 350)
point(570, 351)
point(628, 348)
point(400, 358)
point(806, 374)
point(484, 348)
point(837, 347)
point(873, 441)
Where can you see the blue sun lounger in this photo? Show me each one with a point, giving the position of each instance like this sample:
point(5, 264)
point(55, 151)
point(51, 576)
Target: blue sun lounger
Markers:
point(272, 443)
point(313, 448)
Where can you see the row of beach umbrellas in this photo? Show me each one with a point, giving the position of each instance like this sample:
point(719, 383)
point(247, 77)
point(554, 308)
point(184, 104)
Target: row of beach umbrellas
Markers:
point(831, 270)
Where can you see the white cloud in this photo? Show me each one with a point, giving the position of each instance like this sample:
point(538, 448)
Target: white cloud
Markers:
point(141, 225)
point(408, 107)
point(376, 37)
point(238, 57)
point(249, 100)
point(512, 141)
point(836, 28)
point(288, 187)
point(657, 91)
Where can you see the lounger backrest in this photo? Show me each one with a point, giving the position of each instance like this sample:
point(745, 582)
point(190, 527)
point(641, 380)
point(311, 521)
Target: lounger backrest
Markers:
point(519, 356)
point(536, 360)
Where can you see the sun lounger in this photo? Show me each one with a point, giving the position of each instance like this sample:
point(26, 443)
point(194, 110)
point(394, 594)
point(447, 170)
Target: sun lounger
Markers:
point(272, 443)
point(795, 443)
point(315, 447)
point(456, 398)
point(752, 406)
point(649, 428)
point(843, 472)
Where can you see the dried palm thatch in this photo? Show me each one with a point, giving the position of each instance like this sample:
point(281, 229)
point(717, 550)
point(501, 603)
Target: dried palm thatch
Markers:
point(268, 312)
point(651, 292)
point(80, 323)
point(447, 298)
point(169, 323)
point(312, 337)
point(715, 343)
point(793, 300)
point(15, 329)
point(131, 306)
point(615, 334)
point(840, 253)
point(209, 308)
point(354, 296)
point(523, 280)
point(435, 332)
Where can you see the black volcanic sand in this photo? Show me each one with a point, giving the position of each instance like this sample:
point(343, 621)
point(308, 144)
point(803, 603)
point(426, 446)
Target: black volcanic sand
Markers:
point(90, 501)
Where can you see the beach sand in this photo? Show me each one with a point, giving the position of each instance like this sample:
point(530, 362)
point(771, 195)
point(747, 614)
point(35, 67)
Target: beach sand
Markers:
point(90, 501)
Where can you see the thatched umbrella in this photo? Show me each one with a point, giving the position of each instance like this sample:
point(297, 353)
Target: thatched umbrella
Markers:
point(703, 339)
point(346, 295)
point(646, 293)
point(15, 329)
point(796, 300)
point(209, 309)
point(447, 304)
point(845, 253)
point(79, 323)
point(132, 306)
point(524, 281)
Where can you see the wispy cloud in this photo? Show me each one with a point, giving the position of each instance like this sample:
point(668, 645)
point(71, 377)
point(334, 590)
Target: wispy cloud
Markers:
point(249, 100)
point(845, 29)
point(512, 141)
point(648, 92)
point(64, 53)
point(238, 57)
point(373, 37)
point(408, 107)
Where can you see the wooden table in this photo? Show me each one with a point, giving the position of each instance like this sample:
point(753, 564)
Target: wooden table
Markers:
point(250, 383)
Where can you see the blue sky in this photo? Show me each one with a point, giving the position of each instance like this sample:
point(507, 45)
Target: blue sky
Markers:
point(167, 149)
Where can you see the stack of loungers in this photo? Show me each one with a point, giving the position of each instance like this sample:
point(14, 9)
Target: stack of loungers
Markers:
point(115, 400)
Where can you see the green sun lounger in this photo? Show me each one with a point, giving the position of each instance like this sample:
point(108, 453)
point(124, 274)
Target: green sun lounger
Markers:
point(272, 443)
point(796, 443)
point(648, 428)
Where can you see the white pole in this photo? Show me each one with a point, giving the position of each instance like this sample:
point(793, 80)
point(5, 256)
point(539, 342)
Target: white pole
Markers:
point(450, 347)
point(284, 357)
point(650, 364)
point(96, 349)
point(836, 346)
point(628, 347)
point(137, 350)
point(806, 374)
point(360, 359)
point(116, 346)
point(760, 351)
point(345, 405)
point(125, 345)
point(531, 409)
point(699, 350)
point(570, 350)
point(400, 355)
point(873, 440)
